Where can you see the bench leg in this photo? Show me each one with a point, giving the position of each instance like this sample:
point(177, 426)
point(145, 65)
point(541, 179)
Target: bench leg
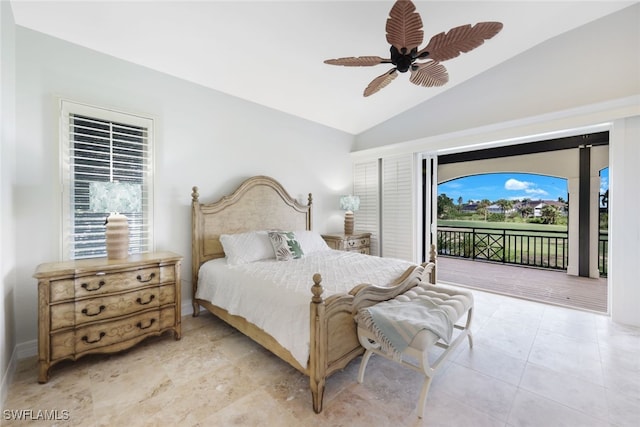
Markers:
point(363, 365)
point(423, 395)
point(467, 326)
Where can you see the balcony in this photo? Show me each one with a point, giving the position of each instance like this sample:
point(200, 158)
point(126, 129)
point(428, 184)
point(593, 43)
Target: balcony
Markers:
point(537, 284)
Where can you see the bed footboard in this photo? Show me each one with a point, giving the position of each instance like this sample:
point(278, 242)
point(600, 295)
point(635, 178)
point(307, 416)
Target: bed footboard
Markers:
point(334, 339)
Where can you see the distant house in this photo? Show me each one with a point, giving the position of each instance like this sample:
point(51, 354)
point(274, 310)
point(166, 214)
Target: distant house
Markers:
point(494, 209)
point(538, 205)
point(469, 207)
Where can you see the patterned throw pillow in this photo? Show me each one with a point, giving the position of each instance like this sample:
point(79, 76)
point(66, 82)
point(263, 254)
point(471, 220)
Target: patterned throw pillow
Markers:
point(285, 245)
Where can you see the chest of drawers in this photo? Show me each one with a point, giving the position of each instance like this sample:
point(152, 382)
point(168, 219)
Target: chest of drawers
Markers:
point(357, 242)
point(103, 306)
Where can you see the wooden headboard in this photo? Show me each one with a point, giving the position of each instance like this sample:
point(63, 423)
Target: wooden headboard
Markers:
point(259, 203)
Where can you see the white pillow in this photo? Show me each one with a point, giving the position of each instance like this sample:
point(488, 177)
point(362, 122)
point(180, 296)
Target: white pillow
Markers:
point(247, 247)
point(311, 241)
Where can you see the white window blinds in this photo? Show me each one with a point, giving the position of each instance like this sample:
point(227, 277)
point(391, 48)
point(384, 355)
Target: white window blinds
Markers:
point(101, 145)
point(366, 183)
point(398, 208)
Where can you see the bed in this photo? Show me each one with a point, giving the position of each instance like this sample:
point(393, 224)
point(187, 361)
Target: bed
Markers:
point(259, 204)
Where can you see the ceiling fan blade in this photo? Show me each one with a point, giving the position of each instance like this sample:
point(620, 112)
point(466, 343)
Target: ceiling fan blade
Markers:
point(429, 74)
point(380, 82)
point(404, 26)
point(358, 61)
point(460, 40)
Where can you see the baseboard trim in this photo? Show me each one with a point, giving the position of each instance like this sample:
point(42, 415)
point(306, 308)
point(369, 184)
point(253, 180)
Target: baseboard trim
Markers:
point(26, 349)
point(7, 377)
point(187, 308)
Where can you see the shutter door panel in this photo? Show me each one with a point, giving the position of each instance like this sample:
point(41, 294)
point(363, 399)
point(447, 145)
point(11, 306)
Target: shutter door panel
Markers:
point(367, 218)
point(398, 208)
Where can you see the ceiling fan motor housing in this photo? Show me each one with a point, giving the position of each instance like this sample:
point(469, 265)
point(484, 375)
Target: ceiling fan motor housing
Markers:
point(403, 60)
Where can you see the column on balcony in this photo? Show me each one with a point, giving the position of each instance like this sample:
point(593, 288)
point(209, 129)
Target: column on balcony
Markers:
point(573, 226)
point(596, 159)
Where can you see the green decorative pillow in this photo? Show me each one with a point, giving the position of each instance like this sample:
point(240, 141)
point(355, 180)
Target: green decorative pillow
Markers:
point(285, 245)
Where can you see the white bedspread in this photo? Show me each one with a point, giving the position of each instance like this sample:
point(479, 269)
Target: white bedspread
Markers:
point(275, 295)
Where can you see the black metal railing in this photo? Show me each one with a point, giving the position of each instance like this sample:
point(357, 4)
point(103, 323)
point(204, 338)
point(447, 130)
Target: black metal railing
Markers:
point(534, 248)
point(603, 252)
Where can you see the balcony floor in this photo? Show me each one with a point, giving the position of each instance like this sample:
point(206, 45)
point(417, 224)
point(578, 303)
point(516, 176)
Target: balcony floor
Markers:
point(548, 286)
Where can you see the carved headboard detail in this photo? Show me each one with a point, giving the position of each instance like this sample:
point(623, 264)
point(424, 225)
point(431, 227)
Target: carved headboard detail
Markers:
point(259, 203)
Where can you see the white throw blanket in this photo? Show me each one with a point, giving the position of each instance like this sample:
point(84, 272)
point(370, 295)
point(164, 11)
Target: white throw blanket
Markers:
point(396, 323)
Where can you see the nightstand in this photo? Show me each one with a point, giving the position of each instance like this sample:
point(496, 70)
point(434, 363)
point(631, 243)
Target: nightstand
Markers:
point(357, 242)
point(102, 306)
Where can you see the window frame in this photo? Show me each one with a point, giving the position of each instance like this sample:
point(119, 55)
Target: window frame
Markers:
point(66, 109)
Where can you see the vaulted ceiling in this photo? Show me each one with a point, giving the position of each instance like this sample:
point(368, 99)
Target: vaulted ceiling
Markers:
point(272, 52)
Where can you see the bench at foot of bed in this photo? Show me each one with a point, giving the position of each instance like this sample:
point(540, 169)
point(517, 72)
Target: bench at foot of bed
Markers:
point(454, 303)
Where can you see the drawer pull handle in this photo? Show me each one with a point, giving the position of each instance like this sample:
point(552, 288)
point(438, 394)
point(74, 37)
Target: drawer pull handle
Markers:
point(351, 243)
point(139, 325)
point(86, 338)
point(86, 312)
point(151, 276)
point(87, 288)
point(139, 300)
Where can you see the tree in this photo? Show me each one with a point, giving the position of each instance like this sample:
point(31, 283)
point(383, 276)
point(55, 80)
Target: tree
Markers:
point(504, 205)
point(445, 206)
point(482, 207)
point(549, 214)
point(526, 211)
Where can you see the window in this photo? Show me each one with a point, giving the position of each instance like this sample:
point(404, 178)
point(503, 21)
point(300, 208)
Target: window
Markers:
point(100, 145)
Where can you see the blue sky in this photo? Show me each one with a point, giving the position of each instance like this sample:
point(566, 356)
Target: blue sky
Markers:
point(509, 186)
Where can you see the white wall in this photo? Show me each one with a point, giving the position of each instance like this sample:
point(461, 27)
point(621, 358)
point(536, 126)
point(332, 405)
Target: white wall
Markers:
point(7, 181)
point(203, 138)
point(624, 226)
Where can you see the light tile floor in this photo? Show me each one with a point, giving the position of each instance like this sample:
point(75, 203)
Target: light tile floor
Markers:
point(531, 365)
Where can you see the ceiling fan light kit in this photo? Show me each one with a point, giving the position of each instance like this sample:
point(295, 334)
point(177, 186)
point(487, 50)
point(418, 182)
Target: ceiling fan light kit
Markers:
point(405, 35)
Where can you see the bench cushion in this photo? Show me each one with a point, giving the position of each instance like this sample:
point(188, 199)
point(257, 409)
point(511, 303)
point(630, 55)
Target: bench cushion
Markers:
point(454, 302)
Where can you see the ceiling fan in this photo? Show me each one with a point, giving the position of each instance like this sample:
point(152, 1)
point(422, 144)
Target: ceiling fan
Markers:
point(405, 35)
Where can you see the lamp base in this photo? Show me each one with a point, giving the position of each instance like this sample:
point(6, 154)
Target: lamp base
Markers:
point(117, 236)
point(348, 223)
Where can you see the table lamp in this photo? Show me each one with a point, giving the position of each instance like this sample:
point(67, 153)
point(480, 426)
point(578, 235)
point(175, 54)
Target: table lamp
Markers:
point(349, 204)
point(116, 198)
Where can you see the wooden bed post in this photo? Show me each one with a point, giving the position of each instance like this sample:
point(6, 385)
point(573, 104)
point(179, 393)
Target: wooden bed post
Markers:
point(195, 249)
point(309, 218)
point(317, 345)
point(432, 258)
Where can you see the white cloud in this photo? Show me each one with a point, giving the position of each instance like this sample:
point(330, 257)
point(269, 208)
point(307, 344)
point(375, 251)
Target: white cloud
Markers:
point(514, 184)
point(535, 192)
point(604, 185)
point(453, 185)
point(529, 188)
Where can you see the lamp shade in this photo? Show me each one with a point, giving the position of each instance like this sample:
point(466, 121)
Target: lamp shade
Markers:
point(121, 197)
point(350, 203)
